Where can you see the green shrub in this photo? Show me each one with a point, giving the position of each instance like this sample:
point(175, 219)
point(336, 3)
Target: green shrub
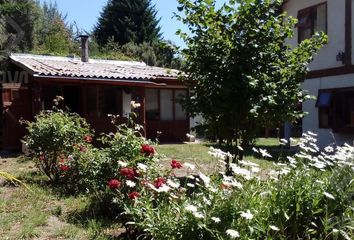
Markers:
point(55, 140)
point(114, 171)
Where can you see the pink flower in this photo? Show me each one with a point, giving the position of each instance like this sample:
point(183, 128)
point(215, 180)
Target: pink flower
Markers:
point(82, 149)
point(114, 184)
point(42, 157)
point(176, 164)
point(64, 168)
point(88, 138)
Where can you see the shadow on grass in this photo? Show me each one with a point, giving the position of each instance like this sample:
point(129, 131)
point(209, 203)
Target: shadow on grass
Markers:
point(9, 154)
point(102, 218)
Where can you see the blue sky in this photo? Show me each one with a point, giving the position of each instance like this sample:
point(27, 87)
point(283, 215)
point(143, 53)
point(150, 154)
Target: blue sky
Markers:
point(86, 12)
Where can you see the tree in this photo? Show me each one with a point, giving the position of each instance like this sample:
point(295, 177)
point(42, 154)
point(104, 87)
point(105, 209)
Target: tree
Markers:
point(128, 21)
point(241, 74)
point(55, 35)
point(20, 23)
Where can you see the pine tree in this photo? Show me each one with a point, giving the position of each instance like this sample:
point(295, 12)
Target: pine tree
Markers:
point(19, 23)
point(128, 21)
point(55, 35)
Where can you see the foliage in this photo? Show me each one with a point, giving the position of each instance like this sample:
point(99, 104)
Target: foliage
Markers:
point(20, 21)
point(111, 171)
point(128, 21)
point(309, 197)
point(55, 35)
point(55, 139)
point(238, 56)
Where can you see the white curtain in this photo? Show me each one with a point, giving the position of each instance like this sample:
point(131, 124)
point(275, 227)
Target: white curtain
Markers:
point(321, 18)
point(166, 101)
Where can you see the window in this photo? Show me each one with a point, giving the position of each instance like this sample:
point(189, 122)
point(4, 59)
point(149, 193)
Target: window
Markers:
point(101, 101)
point(166, 101)
point(312, 20)
point(152, 104)
point(336, 109)
point(179, 112)
point(163, 104)
point(49, 94)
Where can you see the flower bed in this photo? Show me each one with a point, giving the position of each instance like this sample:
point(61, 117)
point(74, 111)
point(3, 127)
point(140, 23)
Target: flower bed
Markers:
point(309, 196)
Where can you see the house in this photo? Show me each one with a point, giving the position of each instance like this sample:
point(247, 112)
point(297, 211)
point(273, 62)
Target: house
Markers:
point(93, 88)
point(331, 76)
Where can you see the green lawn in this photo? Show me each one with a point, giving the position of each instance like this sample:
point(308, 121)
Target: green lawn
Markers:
point(197, 153)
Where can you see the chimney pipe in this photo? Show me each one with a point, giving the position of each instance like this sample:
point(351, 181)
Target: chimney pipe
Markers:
point(84, 48)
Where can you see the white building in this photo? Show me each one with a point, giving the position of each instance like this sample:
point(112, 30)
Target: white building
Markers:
point(331, 76)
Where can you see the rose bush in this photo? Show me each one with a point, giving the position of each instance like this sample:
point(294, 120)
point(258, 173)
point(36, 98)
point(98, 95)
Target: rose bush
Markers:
point(55, 141)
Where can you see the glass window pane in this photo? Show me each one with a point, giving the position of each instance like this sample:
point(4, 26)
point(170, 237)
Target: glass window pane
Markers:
point(91, 101)
point(324, 99)
point(166, 102)
point(152, 104)
point(110, 101)
point(179, 112)
point(321, 18)
point(49, 94)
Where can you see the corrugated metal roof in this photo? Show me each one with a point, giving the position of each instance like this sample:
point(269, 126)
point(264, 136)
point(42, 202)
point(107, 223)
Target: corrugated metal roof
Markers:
point(96, 68)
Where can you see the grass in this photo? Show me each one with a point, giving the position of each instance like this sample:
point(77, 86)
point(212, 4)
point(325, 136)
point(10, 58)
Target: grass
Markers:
point(197, 153)
point(42, 213)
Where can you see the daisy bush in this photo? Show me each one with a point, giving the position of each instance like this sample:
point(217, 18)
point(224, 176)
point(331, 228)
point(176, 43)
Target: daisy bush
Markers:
point(309, 196)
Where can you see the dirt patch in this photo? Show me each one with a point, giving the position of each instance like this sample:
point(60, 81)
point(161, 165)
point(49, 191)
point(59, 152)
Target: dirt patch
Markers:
point(49, 230)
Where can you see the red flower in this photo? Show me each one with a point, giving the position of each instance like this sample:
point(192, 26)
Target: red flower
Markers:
point(175, 164)
point(159, 182)
point(147, 150)
point(42, 157)
point(88, 138)
point(114, 184)
point(129, 173)
point(133, 195)
point(64, 168)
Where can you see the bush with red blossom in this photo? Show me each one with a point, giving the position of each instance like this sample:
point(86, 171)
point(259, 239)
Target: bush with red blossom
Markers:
point(176, 164)
point(133, 195)
point(159, 182)
point(129, 173)
point(114, 184)
point(147, 150)
point(54, 136)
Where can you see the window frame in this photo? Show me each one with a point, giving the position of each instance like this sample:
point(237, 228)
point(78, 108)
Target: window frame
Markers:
point(174, 102)
point(100, 102)
point(331, 110)
point(312, 19)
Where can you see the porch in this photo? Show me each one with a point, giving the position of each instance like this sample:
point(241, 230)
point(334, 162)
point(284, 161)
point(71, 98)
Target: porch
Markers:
point(160, 112)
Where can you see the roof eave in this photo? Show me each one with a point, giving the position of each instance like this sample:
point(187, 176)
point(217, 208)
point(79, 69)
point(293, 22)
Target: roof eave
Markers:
point(125, 82)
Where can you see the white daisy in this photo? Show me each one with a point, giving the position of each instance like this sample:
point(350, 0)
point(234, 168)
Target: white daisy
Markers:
point(130, 184)
point(247, 215)
point(232, 233)
point(216, 219)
